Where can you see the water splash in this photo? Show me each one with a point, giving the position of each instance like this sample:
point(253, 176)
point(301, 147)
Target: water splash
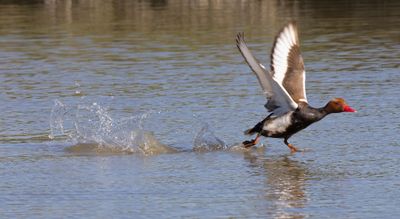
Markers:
point(57, 119)
point(78, 91)
point(205, 140)
point(93, 130)
point(90, 128)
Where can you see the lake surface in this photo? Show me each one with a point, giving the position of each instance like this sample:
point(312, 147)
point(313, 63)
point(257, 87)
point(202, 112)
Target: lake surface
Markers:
point(134, 109)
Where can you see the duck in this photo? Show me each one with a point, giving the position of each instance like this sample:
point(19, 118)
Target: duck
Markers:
point(284, 88)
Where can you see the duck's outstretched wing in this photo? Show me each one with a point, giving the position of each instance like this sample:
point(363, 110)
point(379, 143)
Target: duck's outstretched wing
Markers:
point(279, 101)
point(287, 65)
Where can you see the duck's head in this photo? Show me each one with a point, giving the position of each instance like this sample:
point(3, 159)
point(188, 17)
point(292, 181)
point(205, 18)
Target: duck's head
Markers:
point(338, 105)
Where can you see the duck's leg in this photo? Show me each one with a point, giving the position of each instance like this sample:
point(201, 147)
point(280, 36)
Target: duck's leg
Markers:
point(292, 148)
point(252, 142)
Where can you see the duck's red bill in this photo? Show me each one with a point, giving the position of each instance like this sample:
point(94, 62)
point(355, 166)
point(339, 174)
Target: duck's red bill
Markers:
point(349, 109)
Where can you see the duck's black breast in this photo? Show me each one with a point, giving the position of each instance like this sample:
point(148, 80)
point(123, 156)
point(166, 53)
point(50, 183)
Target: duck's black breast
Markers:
point(307, 114)
point(303, 117)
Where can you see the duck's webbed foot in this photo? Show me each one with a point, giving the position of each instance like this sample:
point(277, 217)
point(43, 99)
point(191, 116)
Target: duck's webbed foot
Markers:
point(292, 148)
point(252, 142)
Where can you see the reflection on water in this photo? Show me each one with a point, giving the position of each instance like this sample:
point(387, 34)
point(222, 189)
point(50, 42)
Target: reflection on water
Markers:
point(285, 181)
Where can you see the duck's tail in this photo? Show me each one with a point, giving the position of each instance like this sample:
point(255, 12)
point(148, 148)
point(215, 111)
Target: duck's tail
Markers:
point(250, 131)
point(257, 128)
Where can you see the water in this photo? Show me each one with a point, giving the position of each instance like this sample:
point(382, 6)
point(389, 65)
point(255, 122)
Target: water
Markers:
point(136, 109)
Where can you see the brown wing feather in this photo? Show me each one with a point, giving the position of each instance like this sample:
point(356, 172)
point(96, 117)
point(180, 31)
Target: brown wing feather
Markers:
point(295, 75)
point(287, 63)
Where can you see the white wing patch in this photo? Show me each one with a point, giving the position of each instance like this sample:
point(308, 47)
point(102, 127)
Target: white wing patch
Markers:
point(284, 42)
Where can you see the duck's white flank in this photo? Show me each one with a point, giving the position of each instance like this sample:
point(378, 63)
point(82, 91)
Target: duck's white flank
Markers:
point(278, 124)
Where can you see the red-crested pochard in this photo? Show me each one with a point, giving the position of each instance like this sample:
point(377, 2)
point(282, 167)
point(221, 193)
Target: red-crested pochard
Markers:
point(284, 88)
